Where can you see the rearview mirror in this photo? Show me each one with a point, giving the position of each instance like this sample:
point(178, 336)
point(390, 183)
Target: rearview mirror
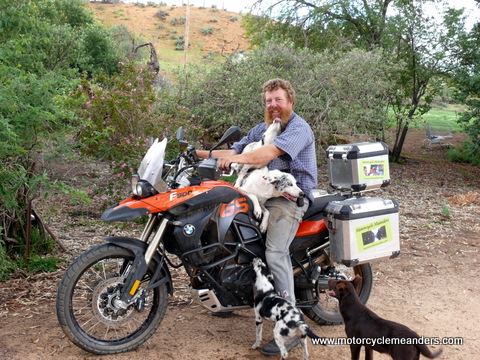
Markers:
point(233, 134)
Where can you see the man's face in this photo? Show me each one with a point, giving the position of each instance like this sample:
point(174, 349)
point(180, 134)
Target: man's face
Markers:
point(277, 105)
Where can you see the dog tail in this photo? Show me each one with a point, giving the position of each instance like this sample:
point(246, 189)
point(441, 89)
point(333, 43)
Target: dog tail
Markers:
point(427, 353)
point(310, 333)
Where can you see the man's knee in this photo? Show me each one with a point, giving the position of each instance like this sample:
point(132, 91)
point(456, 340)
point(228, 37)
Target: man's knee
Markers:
point(276, 258)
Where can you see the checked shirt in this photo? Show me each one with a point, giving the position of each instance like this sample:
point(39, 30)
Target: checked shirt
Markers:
point(298, 143)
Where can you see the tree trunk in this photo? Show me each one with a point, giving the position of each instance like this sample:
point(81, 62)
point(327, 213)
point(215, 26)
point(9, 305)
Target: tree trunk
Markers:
point(397, 148)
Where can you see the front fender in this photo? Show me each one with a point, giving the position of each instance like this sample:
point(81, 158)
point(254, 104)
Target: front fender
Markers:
point(139, 248)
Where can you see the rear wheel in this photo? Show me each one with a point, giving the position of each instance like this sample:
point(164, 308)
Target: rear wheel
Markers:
point(326, 312)
point(88, 308)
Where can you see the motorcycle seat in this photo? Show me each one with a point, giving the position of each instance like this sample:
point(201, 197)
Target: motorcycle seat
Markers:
point(315, 210)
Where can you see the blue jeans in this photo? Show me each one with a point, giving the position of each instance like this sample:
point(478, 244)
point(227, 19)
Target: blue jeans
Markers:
point(285, 218)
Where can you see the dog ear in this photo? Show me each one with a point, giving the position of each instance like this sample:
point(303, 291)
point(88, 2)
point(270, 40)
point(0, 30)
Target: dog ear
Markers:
point(273, 179)
point(357, 282)
point(341, 289)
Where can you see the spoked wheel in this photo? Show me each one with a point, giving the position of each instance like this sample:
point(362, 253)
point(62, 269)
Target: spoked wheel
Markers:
point(88, 306)
point(326, 312)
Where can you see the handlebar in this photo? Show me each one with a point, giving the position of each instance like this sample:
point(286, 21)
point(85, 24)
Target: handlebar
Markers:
point(208, 168)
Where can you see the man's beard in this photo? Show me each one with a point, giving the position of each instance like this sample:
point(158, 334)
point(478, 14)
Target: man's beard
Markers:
point(284, 116)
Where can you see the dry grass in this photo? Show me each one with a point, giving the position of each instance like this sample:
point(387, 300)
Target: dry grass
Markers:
point(471, 198)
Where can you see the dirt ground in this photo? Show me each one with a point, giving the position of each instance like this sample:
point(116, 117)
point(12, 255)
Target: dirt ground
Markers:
point(431, 287)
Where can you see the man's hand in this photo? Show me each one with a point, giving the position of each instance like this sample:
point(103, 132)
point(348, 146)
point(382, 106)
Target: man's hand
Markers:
point(223, 163)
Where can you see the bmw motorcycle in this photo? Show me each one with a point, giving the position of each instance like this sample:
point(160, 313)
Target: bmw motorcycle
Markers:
point(113, 297)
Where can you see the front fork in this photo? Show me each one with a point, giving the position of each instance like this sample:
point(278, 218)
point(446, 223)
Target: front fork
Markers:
point(143, 257)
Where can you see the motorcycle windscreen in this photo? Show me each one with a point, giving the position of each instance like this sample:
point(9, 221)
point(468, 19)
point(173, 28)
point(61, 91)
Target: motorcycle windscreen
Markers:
point(152, 165)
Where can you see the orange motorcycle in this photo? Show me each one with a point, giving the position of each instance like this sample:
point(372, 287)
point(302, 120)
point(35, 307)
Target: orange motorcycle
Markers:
point(113, 297)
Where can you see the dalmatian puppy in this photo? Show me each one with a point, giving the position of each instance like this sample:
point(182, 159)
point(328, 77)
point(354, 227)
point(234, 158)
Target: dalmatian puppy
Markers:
point(269, 305)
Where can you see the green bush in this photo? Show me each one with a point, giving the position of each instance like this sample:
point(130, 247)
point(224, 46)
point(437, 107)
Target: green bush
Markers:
point(120, 114)
point(100, 53)
point(44, 45)
point(178, 21)
point(466, 153)
point(118, 117)
point(162, 14)
point(37, 264)
point(7, 266)
point(207, 31)
point(336, 93)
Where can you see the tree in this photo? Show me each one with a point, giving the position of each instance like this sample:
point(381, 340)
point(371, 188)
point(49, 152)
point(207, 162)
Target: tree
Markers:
point(409, 36)
point(42, 45)
point(466, 78)
point(323, 23)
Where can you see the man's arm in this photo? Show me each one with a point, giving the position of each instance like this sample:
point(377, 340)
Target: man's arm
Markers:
point(203, 154)
point(262, 155)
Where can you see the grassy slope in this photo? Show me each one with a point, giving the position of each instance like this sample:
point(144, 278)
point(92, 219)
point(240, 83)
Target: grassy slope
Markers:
point(211, 31)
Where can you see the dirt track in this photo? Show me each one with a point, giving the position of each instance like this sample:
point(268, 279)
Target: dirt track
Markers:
point(432, 287)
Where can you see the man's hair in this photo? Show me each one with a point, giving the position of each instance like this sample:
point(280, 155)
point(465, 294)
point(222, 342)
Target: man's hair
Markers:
point(275, 84)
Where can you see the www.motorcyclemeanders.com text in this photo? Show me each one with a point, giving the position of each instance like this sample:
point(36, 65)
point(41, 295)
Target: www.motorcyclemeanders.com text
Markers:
point(388, 341)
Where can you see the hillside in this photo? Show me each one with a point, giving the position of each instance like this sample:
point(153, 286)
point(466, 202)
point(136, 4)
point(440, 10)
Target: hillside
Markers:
point(211, 30)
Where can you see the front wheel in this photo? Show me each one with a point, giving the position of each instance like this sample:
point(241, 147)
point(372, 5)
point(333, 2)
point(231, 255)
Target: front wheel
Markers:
point(326, 312)
point(87, 306)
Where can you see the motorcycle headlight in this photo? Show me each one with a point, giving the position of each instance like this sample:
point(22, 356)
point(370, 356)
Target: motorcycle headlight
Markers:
point(142, 188)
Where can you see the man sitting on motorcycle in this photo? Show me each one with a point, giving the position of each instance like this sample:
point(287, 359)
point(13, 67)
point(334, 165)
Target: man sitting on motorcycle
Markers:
point(292, 151)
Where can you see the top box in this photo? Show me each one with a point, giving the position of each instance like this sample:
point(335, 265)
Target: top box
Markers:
point(358, 167)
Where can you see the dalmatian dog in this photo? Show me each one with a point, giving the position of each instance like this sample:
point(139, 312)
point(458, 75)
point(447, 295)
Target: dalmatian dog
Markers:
point(263, 184)
point(270, 134)
point(289, 321)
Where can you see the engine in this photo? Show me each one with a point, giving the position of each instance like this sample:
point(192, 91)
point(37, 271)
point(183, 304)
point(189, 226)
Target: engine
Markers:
point(238, 280)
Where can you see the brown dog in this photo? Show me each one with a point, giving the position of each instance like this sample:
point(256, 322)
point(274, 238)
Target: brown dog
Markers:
point(373, 332)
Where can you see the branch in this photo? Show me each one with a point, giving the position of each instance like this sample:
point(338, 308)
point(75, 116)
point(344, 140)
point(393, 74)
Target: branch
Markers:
point(153, 63)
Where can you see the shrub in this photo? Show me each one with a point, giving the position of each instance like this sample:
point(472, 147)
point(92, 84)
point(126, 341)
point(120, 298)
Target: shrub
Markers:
point(7, 266)
point(162, 15)
point(336, 93)
point(100, 53)
point(178, 21)
point(38, 264)
point(466, 153)
point(208, 31)
point(180, 44)
point(120, 115)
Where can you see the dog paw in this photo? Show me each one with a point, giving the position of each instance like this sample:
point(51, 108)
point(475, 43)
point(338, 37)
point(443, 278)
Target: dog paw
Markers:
point(255, 346)
point(263, 228)
point(264, 223)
